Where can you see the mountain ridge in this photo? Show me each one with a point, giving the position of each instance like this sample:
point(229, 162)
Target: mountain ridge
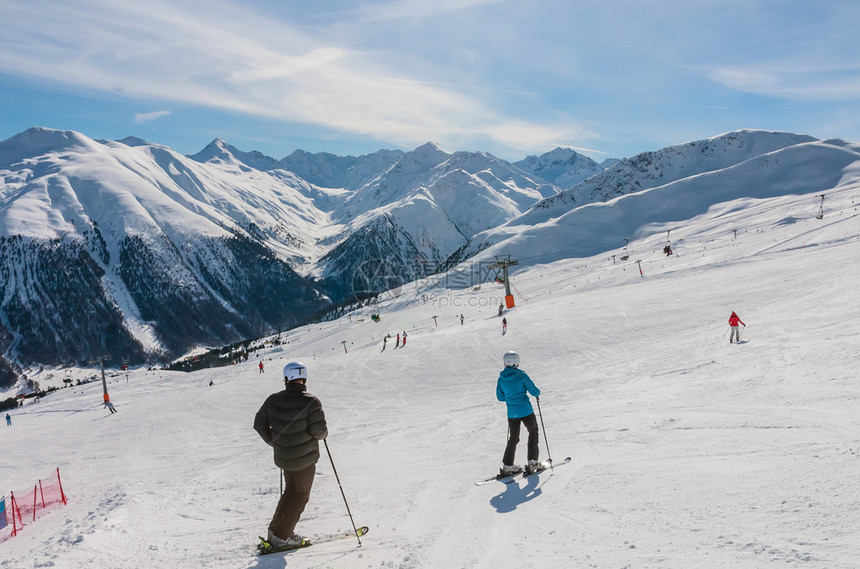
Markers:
point(158, 229)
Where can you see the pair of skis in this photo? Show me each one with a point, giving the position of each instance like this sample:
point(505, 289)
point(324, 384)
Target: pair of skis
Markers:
point(509, 478)
point(265, 548)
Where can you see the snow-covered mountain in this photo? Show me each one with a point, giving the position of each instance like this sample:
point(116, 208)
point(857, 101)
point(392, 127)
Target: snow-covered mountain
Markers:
point(652, 169)
point(661, 191)
point(563, 167)
point(331, 171)
point(425, 208)
point(129, 248)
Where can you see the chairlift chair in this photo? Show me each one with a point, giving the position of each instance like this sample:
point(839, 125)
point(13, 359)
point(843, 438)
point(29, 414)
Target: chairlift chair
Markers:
point(624, 253)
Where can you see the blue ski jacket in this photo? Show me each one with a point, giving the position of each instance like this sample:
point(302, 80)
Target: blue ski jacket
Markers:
point(513, 388)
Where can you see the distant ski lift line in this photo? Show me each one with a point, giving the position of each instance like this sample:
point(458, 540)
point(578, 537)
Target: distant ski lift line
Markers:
point(803, 199)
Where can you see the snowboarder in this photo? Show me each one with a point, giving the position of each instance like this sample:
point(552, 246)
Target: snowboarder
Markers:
point(734, 320)
point(504, 325)
point(292, 422)
point(513, 388)
point(261, 366)
point(109, 406)
point(8, 420)
point(404, 338)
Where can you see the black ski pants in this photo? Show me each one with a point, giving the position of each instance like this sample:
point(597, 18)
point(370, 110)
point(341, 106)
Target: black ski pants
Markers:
point(530, 421)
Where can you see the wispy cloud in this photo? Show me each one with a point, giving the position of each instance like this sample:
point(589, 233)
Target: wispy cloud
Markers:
point(225, 57)
point(792, 80)
point(142, 118)
point(411, 9)
point(498, 74)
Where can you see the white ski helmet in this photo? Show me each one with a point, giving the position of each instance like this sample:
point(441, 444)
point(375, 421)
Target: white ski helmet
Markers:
point(512, 359)
point(295, 370)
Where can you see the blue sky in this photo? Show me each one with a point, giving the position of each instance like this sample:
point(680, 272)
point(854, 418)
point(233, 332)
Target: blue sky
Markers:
point(513, 78)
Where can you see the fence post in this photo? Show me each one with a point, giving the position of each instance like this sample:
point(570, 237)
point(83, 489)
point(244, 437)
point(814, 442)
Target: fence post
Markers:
point(60, 482)
point(35, 497)
point(14, 511)
point(12, 507)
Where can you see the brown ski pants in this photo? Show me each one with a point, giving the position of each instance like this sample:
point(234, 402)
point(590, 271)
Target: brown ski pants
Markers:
point(297, 492)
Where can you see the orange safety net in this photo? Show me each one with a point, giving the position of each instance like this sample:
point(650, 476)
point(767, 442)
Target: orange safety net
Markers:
point(24, 507)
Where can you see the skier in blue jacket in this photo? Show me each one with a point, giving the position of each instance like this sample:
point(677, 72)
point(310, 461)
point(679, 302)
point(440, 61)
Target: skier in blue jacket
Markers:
point(513, 388)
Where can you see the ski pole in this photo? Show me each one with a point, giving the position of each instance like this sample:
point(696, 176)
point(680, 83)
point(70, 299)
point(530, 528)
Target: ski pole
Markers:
point(548, 454)
point(341, 491)
point(282, 482)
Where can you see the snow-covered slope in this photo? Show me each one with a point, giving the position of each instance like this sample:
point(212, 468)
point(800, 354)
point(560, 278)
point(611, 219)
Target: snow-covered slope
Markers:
point(687, 451)
point(651, 169)
point(803, 168)
point(220, 152)
point(316, 202)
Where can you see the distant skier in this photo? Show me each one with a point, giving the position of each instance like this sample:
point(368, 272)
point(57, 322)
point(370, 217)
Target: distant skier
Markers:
point(462, 319)
point(667, 249)
point(501, 308)
point(504, 325)
point(404, 338)
point(513, 388)
point(734, 320)
point(8, 420)
point(109, 406)
point(385, 341)
point(261, 366)
point(397, 344)
point(292, 422)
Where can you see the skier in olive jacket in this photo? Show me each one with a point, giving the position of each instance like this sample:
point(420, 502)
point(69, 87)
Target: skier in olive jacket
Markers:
point(292, 422)
point(513, 388)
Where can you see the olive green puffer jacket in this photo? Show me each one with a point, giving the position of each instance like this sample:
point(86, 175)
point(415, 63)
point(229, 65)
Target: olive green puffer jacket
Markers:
point(292, 422)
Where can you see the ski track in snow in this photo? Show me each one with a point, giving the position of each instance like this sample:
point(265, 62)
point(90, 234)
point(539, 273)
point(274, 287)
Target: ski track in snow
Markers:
point(687, 451)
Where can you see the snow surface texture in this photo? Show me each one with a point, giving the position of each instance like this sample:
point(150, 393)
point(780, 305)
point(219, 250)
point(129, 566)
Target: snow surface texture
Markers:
point(687, 451)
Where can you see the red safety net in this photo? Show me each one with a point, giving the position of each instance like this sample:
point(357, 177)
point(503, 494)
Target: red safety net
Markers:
point(24, 507)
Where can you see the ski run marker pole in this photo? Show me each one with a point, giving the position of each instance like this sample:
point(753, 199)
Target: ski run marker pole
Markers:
point(341, 491)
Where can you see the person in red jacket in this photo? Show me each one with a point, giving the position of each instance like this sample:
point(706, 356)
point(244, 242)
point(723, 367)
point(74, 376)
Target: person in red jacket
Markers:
point(734, 320)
